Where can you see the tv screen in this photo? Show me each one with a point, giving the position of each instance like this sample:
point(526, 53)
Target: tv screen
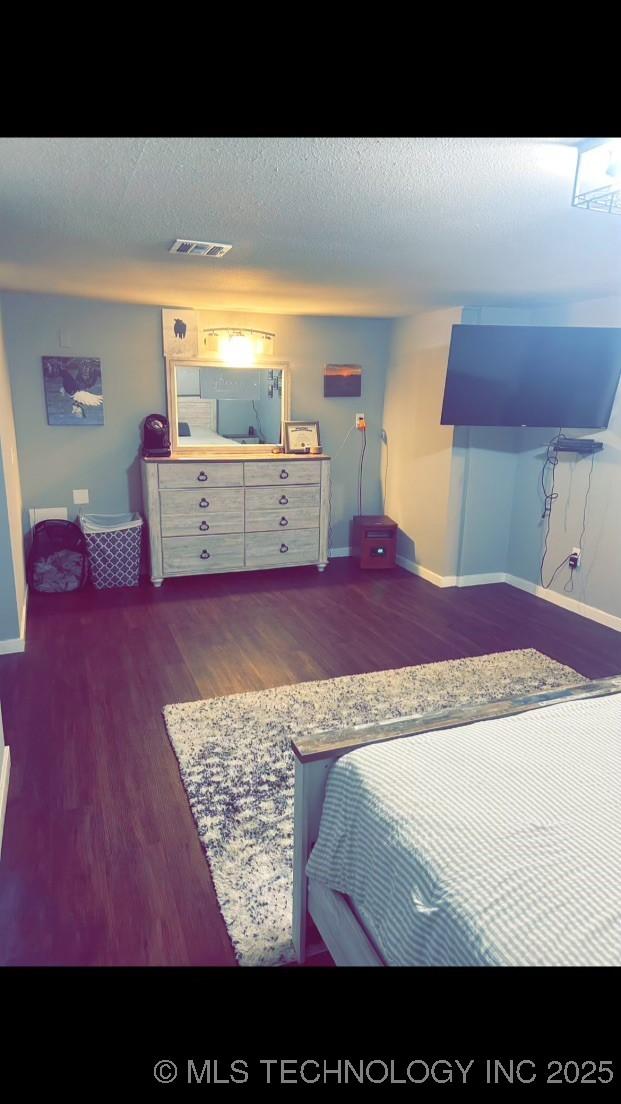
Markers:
point(532, 376)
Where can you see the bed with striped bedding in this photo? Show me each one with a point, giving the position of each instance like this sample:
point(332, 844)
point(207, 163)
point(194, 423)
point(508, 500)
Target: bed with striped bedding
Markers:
point(494, 844)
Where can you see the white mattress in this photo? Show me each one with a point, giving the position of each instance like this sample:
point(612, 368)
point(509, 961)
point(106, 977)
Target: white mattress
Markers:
point(494, 844)
point(200, 437)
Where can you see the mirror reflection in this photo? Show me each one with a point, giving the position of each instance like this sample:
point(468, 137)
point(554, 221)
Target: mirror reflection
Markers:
point(218, 406)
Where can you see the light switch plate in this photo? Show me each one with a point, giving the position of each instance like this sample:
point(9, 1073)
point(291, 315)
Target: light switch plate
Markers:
point(80, 498)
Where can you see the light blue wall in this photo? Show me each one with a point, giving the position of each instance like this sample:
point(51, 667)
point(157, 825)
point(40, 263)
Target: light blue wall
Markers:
point(489, 461)
point(234, 417)
point(308, 344)
point(9, 614)
point(502, 525)
point(423, 496)
point(56, 459)
point(128, 340)
point(598, 581)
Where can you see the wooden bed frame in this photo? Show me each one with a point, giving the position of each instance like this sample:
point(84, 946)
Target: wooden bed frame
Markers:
point(338, 925)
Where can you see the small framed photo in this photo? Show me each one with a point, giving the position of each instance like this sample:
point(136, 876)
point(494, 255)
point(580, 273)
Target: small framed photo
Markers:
point(180, 329)
point(342, 381)
point(300, 436)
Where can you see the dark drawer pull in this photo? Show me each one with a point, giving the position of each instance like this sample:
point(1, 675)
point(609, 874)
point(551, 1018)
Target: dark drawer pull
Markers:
point(283, 500)
point(204, 526)
point(284, 548)
point(283, 521)
point(203, 503)
point(205, 554)
point(284, 474)
point(202, 477)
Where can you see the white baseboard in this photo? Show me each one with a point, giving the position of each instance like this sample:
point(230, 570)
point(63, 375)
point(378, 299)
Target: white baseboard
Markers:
point(610, 620)
point(335, 553)
point(425, 573)
point(567, 602)
point(481, 580)
point(19, 643)
point(5, 770)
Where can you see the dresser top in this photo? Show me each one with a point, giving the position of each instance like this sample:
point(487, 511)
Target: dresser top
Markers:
point(232, 454)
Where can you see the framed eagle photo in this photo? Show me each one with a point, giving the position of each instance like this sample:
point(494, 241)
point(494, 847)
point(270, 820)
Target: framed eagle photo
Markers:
point(73, 391)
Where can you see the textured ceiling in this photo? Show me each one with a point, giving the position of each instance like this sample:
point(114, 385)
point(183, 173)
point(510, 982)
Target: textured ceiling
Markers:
point(348, 226)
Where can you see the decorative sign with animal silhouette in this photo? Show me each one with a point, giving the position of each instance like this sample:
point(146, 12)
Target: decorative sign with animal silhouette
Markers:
point(73, 391)
point(180, 333)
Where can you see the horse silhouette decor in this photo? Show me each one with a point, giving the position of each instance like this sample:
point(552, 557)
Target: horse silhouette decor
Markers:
point(180, 329)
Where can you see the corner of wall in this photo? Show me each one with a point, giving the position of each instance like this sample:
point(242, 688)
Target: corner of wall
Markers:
point(13, 578)
point(419, 447)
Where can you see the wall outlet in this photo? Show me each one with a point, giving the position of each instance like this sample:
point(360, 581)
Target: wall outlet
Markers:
point(574, 557)
point(360, 421)
point(80, 498)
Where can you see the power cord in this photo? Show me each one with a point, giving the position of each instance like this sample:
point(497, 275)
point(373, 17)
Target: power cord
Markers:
point(569, 585)
point(549, 496)
point(334, 456)
point(363, 430)
point(259, 426)
point(384, 438)
point(344, 441)
point(362, 452)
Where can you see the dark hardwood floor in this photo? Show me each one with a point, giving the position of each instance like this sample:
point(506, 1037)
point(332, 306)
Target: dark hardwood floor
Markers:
point(101, 862)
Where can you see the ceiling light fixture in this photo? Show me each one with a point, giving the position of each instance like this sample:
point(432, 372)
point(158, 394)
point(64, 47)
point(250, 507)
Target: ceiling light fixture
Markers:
point(598, 176)
point(239, 348)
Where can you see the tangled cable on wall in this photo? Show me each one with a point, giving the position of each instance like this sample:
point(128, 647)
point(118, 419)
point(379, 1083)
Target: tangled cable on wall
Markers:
point(549, 497)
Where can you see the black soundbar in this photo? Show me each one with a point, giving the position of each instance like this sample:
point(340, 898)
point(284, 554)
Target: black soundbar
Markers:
point(583, 445)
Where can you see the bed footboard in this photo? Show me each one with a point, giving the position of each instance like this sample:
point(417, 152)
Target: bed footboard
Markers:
point(310, 783)
point(315, 754)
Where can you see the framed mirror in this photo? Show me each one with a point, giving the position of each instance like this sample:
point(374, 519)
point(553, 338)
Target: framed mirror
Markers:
point(216, 409)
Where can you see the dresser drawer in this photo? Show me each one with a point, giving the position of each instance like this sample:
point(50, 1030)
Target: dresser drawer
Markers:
point(190, 555)
point(182, 525)
point(207, 474)
point(275, 498)
point(277, 472)
point(201, 502)
point(259, 521)
point(281, 549)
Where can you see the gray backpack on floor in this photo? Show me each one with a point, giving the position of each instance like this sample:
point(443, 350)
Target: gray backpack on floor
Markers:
point(57, 560)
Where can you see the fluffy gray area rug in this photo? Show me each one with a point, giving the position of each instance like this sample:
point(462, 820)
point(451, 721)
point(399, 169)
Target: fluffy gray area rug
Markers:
point(238, 769)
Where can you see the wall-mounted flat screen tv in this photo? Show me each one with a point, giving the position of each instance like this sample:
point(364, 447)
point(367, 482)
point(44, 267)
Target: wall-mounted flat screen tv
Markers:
point(532, 376)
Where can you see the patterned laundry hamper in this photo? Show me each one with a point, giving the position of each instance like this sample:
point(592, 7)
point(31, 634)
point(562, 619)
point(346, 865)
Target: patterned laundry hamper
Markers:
point(113, 544)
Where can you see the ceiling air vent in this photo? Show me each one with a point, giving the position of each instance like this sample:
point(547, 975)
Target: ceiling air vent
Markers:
point(199, 248)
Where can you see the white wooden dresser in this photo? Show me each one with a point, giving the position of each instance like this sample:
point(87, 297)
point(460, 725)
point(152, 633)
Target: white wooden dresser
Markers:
point(210, 516)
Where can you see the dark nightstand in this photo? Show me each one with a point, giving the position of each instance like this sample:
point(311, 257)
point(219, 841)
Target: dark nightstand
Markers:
point(374, 540)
